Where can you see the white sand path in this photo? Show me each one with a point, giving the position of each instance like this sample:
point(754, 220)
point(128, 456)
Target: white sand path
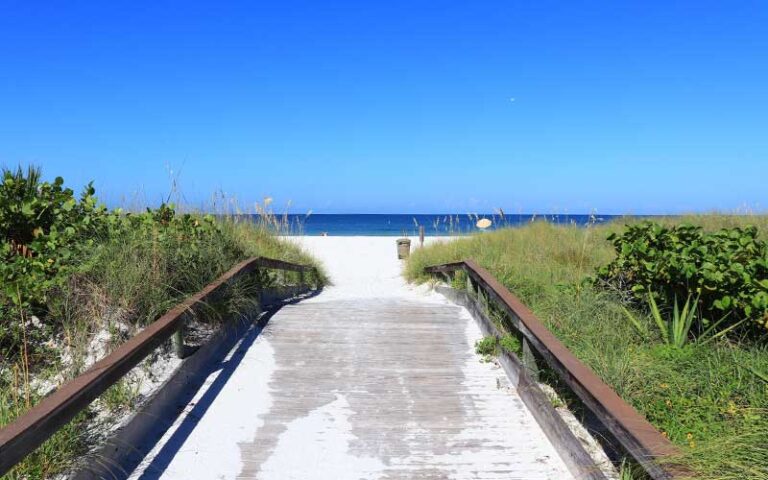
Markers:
point(371, 379)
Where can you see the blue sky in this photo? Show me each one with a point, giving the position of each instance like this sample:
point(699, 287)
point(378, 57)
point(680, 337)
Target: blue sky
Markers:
point(567, 107)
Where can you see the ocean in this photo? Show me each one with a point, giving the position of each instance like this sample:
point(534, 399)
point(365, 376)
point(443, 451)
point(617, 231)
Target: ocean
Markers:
point(408, 224)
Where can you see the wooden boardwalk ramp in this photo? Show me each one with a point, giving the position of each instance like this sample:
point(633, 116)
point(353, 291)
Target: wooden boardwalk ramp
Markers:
point(370, 379)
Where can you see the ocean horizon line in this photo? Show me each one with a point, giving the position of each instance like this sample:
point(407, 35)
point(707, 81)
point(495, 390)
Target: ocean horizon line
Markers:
point(405, 224)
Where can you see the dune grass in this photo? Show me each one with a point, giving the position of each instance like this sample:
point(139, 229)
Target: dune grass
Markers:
point(708, 399)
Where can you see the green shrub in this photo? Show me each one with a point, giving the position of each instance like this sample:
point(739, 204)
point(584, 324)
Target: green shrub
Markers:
point(44, 233)
point(53, 245)
point(511, 344)
point(727, 270)
point(491, 346)
point(486, 346)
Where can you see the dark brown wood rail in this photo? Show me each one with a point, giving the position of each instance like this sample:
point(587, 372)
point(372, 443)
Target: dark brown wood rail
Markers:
point(26, 433)
point(641, 440)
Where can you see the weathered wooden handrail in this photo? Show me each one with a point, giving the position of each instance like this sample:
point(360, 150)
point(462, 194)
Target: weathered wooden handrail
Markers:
point(26, 433)
point(641, 440)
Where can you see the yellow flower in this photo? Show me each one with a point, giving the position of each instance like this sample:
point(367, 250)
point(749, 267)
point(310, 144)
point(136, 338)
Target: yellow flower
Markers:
point(664, 385)
point(689, 436)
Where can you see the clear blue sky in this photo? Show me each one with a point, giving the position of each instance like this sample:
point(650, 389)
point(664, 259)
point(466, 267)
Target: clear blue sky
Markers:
point(619, 107)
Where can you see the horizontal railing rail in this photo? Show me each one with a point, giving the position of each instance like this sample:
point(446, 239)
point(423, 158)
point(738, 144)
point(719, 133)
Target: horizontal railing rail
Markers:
point(641, 440)
point(26, 433)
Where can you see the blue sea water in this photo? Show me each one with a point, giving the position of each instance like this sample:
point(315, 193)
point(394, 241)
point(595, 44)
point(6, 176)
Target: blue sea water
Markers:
point(407, 224)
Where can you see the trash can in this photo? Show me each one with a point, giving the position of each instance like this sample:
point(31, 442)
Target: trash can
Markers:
point(403, 248)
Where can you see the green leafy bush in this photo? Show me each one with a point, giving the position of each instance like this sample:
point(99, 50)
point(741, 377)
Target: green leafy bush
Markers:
point(486, 346)
point(44, 232)
point(727, 270)
point(491, 346)
point(187, 239)
point(510, 344)
point(48, 237)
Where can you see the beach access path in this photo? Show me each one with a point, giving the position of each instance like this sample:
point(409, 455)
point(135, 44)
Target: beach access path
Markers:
point(371, 379)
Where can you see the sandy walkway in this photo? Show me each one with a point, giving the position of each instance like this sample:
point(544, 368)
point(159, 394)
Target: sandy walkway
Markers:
point(372, 378)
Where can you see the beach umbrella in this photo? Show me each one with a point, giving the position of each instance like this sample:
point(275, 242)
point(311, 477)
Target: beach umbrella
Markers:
point(483, 223)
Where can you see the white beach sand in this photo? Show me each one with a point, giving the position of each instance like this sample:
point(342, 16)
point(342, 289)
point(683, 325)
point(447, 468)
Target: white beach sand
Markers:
point(363, 267)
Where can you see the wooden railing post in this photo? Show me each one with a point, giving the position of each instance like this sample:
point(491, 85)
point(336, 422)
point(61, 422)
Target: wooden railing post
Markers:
point(178, 339)
point(482, 298)
point(528, 358)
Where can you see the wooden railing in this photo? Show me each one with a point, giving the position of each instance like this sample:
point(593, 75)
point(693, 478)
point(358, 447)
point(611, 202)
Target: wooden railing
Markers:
point(636, 435)
point(26, 433)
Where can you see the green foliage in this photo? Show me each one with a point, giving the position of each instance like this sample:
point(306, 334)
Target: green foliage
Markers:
point(185, 241)
point(120, 396)
point(56, 453)
point(44, 233)
point(49, 237)
point(761, 375)
point(725, 271)
point(674, 329)
point(43, 229)
point(491, 346)
point(511, 344)
point(486, 346)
